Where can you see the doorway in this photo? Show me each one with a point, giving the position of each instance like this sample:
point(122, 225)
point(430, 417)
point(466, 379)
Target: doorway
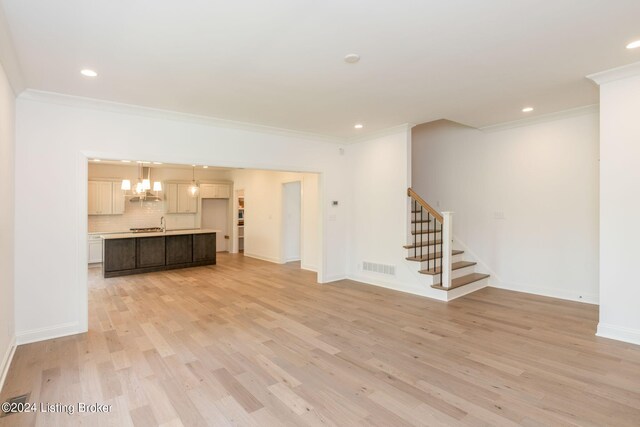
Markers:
point(292, 221)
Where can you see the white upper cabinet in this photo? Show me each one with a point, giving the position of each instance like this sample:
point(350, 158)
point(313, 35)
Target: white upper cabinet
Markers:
point(179, 199)
point(215, 191)
point(105, 198)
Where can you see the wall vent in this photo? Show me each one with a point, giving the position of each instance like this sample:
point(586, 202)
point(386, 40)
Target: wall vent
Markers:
point(373, 267)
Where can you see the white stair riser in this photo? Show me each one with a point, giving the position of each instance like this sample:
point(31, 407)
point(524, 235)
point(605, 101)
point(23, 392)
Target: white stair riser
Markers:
point(467, 289)
point(425, 249)
point(423, 264)
point(463, 271)
point(454, 274)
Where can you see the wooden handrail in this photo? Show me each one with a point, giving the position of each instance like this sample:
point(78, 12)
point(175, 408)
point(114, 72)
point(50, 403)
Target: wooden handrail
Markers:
point(425, 205)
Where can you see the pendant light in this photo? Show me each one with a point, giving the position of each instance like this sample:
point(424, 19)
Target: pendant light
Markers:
point(126, 185)
point(193, 188)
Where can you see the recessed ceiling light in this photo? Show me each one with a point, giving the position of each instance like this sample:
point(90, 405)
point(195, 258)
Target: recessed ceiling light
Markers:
point(634, 44)
point(88, 73)
point(96, 160)
point(352, 58)
point(527, 109)
point(157, 163)
point(358, 126)
point(205, 167)
point(125, 161)
point(139, 161)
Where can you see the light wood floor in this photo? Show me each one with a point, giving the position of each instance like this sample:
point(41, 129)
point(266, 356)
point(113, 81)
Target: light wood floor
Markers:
point(252, 343)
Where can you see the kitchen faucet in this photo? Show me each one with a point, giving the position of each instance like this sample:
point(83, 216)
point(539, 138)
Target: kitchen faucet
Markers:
point(162, 224)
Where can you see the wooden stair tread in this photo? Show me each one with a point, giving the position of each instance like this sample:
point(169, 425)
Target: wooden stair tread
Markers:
point(429, 231)
point(423, 244)
point(432, 256)
point(461, 281)
point(454, 266)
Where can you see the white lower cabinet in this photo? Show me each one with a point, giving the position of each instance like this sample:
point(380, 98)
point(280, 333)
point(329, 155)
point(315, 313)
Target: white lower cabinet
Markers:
point(95, 249)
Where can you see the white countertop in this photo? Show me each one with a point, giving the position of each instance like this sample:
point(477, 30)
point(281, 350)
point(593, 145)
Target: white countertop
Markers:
point(157, 233)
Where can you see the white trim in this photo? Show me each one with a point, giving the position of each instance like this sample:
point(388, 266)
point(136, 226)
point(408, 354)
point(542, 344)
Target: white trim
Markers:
point(618, 333)
point(467, 289)
point(573, 112)
point(547, 292)
point(309, 267)
point(607, 76)
point(291, 259)
point(334, 278)
point(47, 333)
point(6, 361)
point(405, 127)
point(121, 108)
point(434, 294)
point(264, 258)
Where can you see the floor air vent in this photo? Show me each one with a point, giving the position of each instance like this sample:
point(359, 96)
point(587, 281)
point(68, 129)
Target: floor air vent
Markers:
point(379, 268)
point(18, 401)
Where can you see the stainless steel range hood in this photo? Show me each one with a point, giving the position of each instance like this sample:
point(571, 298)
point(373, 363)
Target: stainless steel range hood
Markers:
point(148, 195)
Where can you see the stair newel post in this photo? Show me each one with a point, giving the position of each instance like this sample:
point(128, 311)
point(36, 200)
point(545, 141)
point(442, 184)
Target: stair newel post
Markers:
point(447, 247)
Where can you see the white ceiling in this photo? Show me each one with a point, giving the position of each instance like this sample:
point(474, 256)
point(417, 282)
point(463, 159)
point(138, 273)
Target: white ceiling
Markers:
point(279, 62)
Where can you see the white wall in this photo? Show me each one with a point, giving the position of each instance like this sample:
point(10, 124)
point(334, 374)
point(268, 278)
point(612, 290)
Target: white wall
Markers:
point(7, 219)
point(619, 203)
point(542, 177)
point(55, 134)
point(263, 225)
point(379, 167)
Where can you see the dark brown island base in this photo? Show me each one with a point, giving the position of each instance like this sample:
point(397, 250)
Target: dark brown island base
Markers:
point(134, 253)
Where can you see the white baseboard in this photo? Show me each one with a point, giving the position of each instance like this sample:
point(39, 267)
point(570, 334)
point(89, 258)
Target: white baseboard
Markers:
point(264, 258)
point(42, 334)
point(422, 292)
point(619, 333)
point(292, 259)
point(6, 361)
point(334, 278)
point(309, 267)
point(546, 292)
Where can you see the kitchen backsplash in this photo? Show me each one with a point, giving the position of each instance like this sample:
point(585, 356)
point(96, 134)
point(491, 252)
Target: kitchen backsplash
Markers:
point(137, 215)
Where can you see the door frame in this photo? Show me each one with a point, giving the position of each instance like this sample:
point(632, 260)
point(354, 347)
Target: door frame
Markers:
point(283, 258)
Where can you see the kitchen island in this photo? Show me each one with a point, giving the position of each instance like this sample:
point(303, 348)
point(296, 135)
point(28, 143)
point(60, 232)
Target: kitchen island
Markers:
point(134, 253)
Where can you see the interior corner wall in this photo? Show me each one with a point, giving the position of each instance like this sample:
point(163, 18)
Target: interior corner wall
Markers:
point(378, 212)
point(7, 220)
point(619, 207)
point(525, 199)
point(54, 136)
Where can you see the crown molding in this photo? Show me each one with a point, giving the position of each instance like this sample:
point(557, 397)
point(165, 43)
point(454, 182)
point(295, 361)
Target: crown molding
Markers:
point(573, 112)
point(607, 76)
point(405, 127)
point(129, 109)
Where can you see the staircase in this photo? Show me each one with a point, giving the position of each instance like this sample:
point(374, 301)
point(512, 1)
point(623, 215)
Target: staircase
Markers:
point(431, 248)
